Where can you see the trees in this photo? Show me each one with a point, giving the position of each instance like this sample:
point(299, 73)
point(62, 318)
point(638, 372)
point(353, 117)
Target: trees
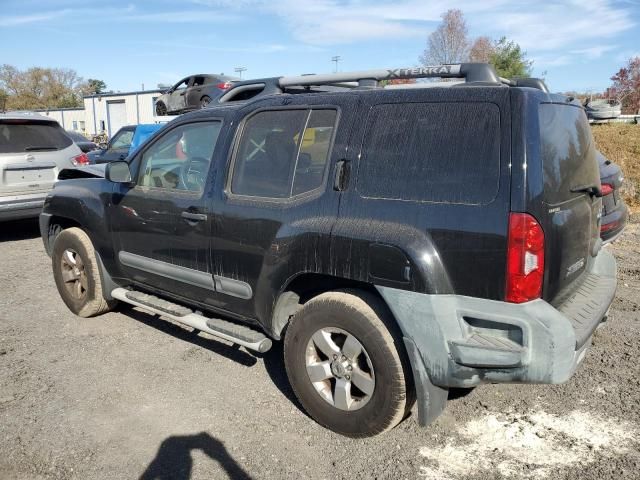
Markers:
point(95, 86)
point(39, 87)
point(626, 86)
point(449, 42)
point(509, 60)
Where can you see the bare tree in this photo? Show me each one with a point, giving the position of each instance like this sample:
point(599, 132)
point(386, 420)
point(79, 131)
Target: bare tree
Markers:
point(449, 42)
point(481, 50)
point(39, 87)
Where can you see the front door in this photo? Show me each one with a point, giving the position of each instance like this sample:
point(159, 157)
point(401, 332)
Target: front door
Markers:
point(177, 98)
point(161, 225)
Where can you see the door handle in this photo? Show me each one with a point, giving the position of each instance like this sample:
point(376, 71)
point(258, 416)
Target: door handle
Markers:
point(193, 217)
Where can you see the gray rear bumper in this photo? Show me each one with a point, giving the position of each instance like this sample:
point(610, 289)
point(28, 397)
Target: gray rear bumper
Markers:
point(465, 341)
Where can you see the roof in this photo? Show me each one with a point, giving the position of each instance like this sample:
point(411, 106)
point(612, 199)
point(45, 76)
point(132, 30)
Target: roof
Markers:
point(25, 116)
point(124, 94)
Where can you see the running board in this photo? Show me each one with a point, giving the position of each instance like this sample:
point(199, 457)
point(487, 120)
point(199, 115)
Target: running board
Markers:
point(238, 334)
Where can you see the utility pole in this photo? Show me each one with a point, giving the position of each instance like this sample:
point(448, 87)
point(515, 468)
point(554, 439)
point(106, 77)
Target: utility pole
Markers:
point(336, 59)
point(239, 71)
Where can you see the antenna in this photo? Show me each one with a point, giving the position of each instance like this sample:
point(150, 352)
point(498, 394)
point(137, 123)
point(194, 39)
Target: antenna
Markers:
point(239, 71)
point(336, 59)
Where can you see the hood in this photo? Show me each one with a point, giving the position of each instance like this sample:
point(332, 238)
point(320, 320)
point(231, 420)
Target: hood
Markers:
point(90, 171)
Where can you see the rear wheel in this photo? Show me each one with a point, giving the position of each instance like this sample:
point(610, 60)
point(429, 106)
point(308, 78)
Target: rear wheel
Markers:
point(76, 274)
point(161, 109)
point(347, 364)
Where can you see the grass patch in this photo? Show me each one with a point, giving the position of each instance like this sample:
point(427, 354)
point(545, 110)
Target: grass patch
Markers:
point(620, 143)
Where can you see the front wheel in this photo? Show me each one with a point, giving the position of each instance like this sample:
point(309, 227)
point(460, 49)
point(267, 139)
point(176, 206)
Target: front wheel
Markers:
point(347, 365)
point(75, 270)
point(205, 101)
point(161, 109)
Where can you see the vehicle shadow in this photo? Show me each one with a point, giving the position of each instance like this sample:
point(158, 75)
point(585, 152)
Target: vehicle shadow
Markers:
point(273, 359)
point(173, 459)
point(19, 230)
point(232, 352)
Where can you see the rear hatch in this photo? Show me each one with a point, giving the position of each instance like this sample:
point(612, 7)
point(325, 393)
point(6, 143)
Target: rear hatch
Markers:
point(571, 202)
point(31, 154)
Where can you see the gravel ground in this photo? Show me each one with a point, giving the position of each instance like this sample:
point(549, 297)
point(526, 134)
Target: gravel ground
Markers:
point(127, 395)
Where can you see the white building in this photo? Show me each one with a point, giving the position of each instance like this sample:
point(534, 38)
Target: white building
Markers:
point(109, 111)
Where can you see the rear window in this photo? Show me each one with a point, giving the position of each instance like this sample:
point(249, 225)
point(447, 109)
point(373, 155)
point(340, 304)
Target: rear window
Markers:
point(31, 136)
point(568, 153)
point(432, 152)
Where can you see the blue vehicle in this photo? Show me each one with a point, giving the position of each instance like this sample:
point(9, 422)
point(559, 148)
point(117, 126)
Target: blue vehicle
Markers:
point(125, 141)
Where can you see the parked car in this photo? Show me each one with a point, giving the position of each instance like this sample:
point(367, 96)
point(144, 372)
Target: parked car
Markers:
point(33, 149)
point(602, 109)
point(81, 141)
point(614, 210)
point(125, 140)
point(193, 92)
point(400, 242)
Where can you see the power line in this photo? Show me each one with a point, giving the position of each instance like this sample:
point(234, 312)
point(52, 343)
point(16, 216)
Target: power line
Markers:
point(239, 71)
point(336, 59)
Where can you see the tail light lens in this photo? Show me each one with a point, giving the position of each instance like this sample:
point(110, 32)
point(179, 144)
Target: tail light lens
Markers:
point(525, 258)
point(224, 85)
point(80, 160)
point(609, 226)
point(606, 189)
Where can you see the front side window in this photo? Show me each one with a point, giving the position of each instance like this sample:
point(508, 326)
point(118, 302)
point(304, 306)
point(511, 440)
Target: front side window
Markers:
point(283, 153)
point(122, 140)
point(180, 159)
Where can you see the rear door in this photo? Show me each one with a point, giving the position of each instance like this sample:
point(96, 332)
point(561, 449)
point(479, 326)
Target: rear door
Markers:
point(30, 155)
point(571, 207)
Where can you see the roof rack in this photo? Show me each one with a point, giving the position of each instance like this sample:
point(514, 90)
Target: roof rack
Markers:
point(477, 73)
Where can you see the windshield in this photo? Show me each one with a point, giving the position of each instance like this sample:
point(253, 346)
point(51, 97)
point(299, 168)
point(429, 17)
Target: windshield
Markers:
point(17, 136)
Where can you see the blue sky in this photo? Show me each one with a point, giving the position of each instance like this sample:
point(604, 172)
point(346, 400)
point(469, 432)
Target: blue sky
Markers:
point(579, 43)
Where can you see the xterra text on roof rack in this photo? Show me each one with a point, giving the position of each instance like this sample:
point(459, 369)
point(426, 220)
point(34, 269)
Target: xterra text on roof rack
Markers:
point(400, 241)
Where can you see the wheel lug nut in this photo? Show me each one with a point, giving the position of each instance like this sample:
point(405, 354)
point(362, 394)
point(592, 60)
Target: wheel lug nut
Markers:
point(348, 377)
point(343, 358)
point(335, 356)
point(349, 368)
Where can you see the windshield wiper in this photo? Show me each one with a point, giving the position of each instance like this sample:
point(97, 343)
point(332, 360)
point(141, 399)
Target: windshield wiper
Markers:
point(32, 148)
point(592, 190)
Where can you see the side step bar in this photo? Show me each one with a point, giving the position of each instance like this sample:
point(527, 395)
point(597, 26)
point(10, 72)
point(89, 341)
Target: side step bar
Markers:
point(238, 334)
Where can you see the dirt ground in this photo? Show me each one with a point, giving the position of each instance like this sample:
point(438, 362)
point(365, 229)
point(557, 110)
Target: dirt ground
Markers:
point(127, 395)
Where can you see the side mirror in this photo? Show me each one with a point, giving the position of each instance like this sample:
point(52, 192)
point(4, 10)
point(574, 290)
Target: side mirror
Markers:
point(118, 172)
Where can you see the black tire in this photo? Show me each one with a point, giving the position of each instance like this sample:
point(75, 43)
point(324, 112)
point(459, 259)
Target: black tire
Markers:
point(365, 317)
point(205, 101)
point(76, 275)
point(161, 109)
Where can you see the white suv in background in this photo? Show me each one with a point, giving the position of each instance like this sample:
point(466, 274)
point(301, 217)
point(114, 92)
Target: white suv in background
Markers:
point(33, 149)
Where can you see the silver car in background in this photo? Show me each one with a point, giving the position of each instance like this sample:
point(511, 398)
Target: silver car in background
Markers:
point(33, 149)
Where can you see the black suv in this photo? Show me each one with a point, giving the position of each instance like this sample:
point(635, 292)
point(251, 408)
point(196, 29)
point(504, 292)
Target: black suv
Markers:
point(401, 240)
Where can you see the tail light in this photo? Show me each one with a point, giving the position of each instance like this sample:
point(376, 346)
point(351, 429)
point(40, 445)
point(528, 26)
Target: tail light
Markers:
point(525, 258)
point(224, 85)
point(607, 227)
point(606, 189)
point(80, 160)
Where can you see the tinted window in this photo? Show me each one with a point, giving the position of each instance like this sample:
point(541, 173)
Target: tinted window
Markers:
point(283, 153)
point(180, 159)
point(568, 153)
point(434, 152)
point(27, 136)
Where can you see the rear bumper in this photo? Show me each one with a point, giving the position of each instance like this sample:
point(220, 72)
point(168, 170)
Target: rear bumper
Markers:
point(14, 207)
point(465, 341)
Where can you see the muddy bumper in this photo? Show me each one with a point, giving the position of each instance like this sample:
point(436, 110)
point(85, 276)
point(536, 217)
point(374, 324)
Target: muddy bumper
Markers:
point(457, 341)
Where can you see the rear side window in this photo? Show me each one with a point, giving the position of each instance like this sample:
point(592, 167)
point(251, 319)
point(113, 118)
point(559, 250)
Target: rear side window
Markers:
point(283, 153)
point(431, 152)
point(30, 136)
point(568, 153)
